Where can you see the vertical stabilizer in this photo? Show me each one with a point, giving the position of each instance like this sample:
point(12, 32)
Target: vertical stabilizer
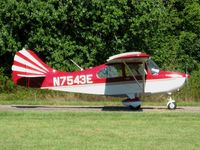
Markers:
point(27, 66)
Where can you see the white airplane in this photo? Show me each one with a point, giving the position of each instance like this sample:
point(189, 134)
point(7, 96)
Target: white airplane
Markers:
point(131, 74)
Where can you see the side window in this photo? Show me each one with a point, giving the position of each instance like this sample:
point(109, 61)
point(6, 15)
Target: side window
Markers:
point(111, 71)
point(134, 69)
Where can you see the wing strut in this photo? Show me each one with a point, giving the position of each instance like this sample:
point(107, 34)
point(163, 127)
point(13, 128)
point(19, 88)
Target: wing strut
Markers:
point(76, 64)
point(132, 74)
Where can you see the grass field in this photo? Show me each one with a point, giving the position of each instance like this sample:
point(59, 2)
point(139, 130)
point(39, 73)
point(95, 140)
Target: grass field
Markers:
point(99, 130)
point(62, 98)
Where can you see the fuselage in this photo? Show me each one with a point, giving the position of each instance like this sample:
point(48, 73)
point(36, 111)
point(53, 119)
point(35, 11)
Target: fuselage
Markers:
point(91, 81)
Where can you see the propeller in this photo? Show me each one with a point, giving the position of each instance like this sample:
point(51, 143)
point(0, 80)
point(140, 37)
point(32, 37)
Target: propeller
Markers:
point(186, 73)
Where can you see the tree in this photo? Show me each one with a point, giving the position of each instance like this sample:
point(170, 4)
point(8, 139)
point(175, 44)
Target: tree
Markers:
point(89, 31)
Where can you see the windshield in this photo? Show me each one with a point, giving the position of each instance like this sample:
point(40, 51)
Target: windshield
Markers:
point(153, 66)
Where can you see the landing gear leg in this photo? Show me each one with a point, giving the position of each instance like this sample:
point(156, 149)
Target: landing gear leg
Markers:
point(133, 103)
point(171, 105)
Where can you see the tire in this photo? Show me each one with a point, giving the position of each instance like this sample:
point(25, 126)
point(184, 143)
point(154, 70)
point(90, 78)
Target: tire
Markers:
point(171, 105)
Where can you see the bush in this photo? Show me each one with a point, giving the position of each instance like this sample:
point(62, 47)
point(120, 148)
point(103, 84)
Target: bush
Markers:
point(6, 84)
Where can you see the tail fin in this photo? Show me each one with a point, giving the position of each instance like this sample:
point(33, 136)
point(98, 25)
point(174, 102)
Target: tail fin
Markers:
point(27, 66)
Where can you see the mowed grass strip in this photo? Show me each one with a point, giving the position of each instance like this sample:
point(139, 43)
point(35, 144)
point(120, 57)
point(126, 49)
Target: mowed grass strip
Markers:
point(99, 130)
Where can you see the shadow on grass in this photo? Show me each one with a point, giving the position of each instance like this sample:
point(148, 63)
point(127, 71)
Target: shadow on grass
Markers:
point(91, 108)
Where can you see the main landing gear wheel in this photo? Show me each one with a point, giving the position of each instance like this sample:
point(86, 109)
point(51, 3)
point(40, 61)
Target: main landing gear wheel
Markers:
point(134, 104)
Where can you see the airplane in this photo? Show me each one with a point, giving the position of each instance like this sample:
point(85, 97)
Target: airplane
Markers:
point(130, 74)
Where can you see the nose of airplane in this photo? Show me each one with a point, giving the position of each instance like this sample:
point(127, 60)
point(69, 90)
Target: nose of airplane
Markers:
point(179, 78)
point(184, 76)
point(187, 75)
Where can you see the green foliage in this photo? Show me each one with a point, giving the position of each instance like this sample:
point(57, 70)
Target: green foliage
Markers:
point(6, 84)
point(91, 31)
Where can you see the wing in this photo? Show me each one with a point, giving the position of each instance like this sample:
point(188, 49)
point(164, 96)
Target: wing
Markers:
point(128, 57)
